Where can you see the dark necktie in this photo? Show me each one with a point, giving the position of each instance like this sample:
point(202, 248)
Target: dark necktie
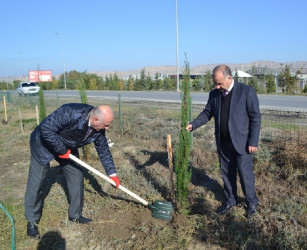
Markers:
point(225, 92)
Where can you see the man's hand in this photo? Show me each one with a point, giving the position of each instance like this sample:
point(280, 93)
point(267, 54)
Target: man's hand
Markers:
point(252, 149)
point(66, 155)
point(116, 180)
point(189, 127)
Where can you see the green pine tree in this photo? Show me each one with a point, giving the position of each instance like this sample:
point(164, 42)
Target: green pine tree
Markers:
point(270, 84)
point(42, 108)
point(288, 81)
point(183, 172)
point(82, 91)
point(83, 97)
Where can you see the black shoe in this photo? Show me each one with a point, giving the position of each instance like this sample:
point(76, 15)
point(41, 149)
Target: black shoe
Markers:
point(224, 209)
point(81, 220)
point(32, 230)
point(252, 210)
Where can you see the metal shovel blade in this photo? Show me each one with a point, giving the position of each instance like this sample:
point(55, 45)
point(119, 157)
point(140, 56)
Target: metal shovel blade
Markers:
point(162, 210)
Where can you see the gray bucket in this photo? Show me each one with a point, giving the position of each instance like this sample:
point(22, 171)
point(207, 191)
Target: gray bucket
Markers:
point(162, 210)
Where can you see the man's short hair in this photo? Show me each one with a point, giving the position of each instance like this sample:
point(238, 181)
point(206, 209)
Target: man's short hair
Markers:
point(224, 68)
point(97, 113)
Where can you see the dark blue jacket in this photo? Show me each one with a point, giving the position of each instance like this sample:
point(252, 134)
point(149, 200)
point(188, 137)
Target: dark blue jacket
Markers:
point(244, 116)
point(65, 129)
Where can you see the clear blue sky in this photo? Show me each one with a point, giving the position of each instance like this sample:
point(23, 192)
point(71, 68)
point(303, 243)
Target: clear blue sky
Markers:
point(132, 34)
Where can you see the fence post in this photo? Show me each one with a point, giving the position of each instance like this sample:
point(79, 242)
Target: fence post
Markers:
point(20, 118)
point(37, 116)
point(5, 112)
point(120, 113)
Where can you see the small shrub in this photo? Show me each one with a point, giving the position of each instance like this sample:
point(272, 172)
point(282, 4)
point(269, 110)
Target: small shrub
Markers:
point(42, 108)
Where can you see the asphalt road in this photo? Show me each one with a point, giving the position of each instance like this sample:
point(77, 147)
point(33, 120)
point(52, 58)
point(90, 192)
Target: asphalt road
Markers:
point(278, 102)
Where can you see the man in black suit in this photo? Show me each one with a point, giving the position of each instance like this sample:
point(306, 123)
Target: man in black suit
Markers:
point(235, 108)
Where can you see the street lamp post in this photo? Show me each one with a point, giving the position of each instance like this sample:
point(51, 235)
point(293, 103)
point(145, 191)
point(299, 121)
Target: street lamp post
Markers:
point(177, 57)
point(24, 60)
point(63, 59)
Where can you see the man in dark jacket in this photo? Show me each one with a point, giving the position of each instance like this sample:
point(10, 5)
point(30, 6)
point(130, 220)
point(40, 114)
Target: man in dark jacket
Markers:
point(235, 108)
point(61, 133)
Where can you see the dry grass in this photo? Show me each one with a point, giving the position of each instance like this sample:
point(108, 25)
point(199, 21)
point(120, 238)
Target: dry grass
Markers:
point(140, 155)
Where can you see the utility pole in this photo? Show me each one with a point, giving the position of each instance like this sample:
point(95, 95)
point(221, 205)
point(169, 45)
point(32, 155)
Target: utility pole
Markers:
point(177, 57)
point(63, 58)
point(25, 67)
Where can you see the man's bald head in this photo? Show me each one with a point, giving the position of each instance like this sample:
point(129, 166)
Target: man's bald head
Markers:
point(222, 77)
point(226, 71)
point(101, 117)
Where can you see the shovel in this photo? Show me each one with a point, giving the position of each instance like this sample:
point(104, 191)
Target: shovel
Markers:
point(162, 210)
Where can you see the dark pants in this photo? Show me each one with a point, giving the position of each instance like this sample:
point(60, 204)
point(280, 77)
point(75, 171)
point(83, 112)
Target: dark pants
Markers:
point(231, 163)
point(34, 192)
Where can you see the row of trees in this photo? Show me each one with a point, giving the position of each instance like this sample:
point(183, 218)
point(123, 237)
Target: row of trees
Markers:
point(286, 81)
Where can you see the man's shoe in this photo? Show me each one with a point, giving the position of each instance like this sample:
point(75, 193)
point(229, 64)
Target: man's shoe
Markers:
point(32, 230)
point(81, 220)
point(252, 210)
point(224, 209)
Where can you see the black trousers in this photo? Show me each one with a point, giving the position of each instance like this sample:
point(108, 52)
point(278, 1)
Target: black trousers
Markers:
point(34, 192)
point(232, 163)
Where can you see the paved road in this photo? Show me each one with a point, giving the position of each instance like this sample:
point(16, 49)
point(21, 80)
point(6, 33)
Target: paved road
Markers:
point(279, 102)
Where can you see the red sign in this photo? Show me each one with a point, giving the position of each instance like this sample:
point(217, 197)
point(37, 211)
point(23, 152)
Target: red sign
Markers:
point(40, 75)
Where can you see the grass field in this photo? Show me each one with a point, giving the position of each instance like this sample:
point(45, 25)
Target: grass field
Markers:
point(140, 155)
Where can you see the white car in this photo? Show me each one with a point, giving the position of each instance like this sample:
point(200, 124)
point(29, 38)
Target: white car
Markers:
point(28, 88)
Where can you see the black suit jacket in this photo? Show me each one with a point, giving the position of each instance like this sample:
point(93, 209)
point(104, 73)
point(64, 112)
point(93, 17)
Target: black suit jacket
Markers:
point(65, 129)
point(244, 116)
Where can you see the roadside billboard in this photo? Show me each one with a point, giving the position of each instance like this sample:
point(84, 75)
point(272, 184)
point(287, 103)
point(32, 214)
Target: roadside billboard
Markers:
point(40, 75)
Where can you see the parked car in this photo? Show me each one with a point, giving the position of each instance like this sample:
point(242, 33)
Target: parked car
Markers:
point(28, 88)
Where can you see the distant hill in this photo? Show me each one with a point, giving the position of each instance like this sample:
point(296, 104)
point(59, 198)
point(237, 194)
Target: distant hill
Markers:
point(151, 70)
point(171, 70)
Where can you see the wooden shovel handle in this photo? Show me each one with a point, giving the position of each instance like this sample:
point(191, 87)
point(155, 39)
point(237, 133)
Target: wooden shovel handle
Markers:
point(95, 171)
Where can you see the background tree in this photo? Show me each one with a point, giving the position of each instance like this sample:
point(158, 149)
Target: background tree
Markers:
point(130, 83)
point(100, 83)
point(208, 83)
point(54, 83)
point(140, 83)
point(148, 82)
point(82, 91)
point(16, 83)
point(169, 83)
point(93, 85)
point(136, 85)
point(4, 85)
point(42, 108)
point(83, 97)
point(288, 82)
point(157, 83)
point(114, 82)
point(253, 81)
point(108, 81)
point(72, 79)
point(270, 84)
point(121, 84)
point(183, 172)
point(196, 84)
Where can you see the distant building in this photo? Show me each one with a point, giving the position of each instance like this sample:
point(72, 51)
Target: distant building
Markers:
point(302, 80)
